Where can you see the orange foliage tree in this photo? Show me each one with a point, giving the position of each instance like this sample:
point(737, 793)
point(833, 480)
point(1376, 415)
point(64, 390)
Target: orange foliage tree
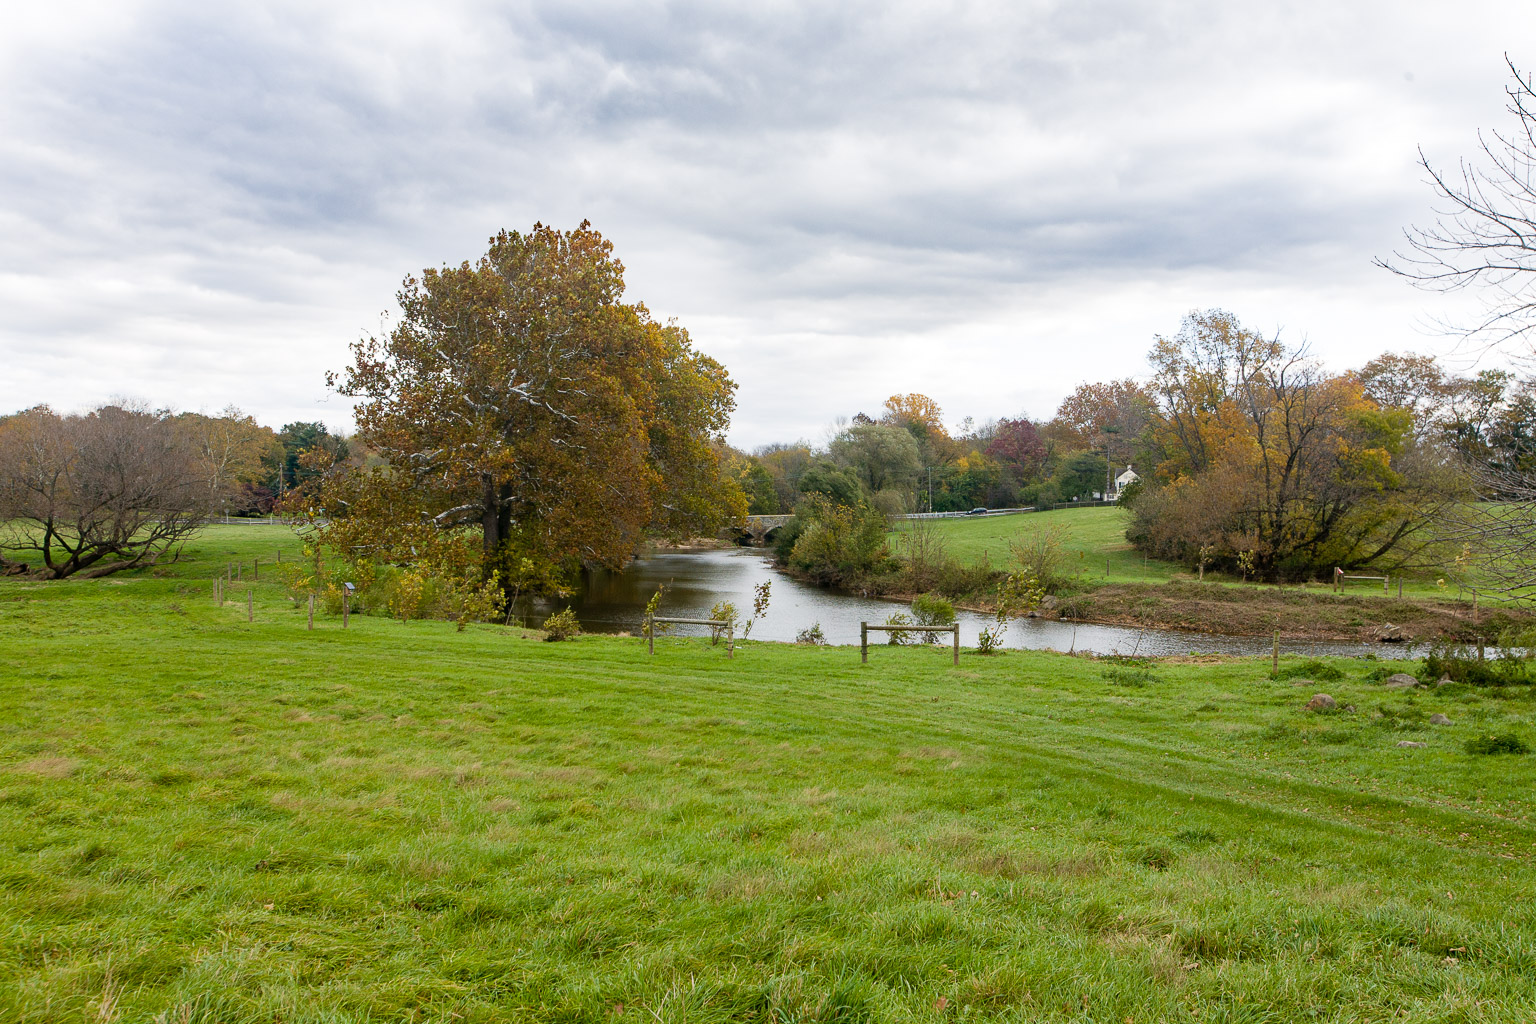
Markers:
point(1274, 466)
point(526, 420)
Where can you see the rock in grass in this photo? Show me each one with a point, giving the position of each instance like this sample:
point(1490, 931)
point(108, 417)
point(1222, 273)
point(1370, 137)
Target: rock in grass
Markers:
point(1401, 681)
point(1439, 719)
point(1415, 744)
point(1322, 702)
point(1350, 708)
point(1444, 681)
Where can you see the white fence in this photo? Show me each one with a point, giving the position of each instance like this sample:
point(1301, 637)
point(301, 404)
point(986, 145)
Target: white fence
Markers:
point(1096, 503)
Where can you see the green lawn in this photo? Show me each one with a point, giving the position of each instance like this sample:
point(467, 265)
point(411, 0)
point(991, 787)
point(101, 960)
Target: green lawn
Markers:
point(1094, 538)
point(207, 820)
point(1095, 545)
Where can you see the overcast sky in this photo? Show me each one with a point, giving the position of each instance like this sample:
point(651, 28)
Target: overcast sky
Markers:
point(203, 204)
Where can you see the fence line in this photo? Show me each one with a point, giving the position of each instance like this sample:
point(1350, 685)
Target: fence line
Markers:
point(1095, 503)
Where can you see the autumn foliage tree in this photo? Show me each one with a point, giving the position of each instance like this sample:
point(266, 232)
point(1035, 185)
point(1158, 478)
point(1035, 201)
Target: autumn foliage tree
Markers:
point(1271, 465)
point(525, 417)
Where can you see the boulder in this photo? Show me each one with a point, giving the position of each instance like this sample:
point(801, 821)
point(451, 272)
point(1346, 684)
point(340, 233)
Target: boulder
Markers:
point(1401, 681)
point(1390, 634)
point(1444, 681)
point(1321, 702)
point(1048, 603)
point(1414, 744)
point(1439, 719)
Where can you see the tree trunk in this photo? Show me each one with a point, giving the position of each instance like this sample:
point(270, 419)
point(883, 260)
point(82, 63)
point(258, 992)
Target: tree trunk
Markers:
point(490, 521)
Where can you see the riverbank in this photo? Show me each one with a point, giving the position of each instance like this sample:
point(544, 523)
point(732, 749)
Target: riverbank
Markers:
point(393, 817)
point(1253, 611)
point(1298, 613)
point(1107, 582)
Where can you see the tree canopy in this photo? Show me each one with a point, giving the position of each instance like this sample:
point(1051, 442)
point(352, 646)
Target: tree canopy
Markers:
point(1275, 466)
point(98, 493)
point(520, 398)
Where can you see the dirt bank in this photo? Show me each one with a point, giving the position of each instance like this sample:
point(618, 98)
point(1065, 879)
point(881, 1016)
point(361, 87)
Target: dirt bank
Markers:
point(1298, 614)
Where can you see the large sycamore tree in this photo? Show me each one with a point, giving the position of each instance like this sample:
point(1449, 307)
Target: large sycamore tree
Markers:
point(522, 420)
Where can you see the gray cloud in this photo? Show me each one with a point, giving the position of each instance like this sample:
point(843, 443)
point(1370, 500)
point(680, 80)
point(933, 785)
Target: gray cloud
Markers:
point(989, 203)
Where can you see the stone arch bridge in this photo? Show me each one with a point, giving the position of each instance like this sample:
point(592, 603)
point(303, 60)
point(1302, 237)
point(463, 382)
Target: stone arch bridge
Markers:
point(757, 530)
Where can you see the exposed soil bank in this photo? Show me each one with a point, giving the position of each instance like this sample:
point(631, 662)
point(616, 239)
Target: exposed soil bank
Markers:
point(1298, 614)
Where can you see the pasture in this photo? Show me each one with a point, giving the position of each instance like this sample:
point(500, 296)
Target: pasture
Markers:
point(204, 819)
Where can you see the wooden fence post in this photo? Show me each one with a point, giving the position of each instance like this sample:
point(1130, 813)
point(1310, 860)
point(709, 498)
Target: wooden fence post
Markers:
point(864, 642)
point(730, 641)
point(250, 606)
point(256, 570)
point(218, 592)
point(311, 611)
point(956, 628)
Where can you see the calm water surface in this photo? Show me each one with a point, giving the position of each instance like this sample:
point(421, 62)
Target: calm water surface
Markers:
point(615, 602)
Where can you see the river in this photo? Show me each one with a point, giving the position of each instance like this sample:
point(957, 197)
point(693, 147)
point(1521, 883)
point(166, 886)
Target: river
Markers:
point(696, 581)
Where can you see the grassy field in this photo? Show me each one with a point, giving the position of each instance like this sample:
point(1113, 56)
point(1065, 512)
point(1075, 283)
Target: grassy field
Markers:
point(1094, 538)
point(1095, 546)
point(205, 819)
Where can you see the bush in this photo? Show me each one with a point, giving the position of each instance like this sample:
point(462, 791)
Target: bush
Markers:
point(898, 636)
point(1312, 668)
point(562, 626)
point(1461, 665)
point(1040, 556)
point(838, 543)
point(811, 636)
point(932, 610)
point(1130, 675)
point(1502, 743)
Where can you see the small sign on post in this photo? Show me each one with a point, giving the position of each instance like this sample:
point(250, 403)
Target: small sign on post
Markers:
point(346, 603)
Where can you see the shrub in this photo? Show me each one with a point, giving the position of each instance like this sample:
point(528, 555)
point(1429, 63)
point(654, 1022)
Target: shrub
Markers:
point(1130, 675)
point(725, 612)
point(1463, 666)
point(990, 639)
point(898, 636)
point(1312, 668)
point(838, 543)
point(562, 626)
point(1502, 743)
point(1039, 555)
point(932, 610)
point(811, 636)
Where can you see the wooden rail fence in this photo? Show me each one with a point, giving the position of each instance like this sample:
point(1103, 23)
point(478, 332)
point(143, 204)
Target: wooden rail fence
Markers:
point(865, 627)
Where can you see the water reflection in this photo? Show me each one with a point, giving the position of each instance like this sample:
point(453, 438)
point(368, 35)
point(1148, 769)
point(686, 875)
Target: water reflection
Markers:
point(615, 602)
